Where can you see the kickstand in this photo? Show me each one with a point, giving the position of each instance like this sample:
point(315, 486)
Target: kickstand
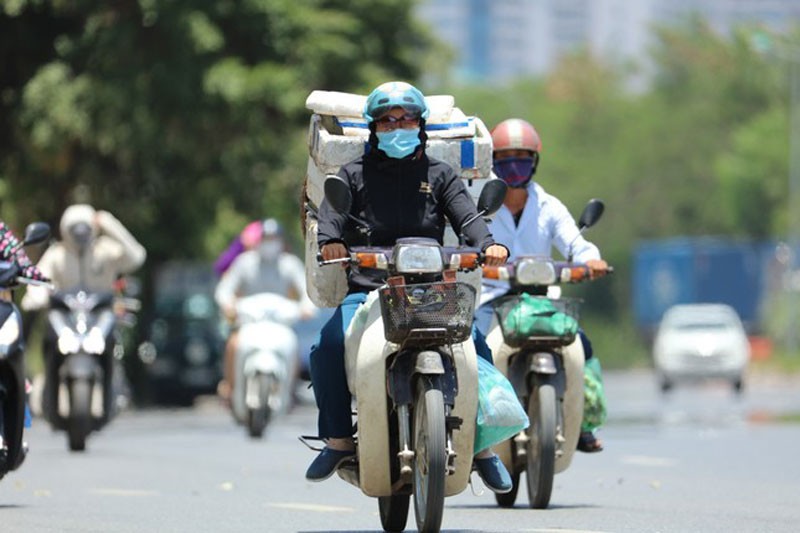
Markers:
point(305, 438)
point(472, 487)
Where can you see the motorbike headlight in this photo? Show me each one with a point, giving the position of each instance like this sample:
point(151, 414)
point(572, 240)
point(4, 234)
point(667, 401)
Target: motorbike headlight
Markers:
point(9, 333)
point(416, 259)
point(94, 342)
point(68, 342)
point(535, 272)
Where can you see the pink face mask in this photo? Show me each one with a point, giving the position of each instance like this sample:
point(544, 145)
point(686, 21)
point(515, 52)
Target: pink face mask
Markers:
point(515, 171)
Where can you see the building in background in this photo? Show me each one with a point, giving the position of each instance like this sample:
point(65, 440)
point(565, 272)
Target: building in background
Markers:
point(496, 40)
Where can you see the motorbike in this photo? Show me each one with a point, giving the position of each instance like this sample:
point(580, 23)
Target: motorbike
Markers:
point(81, 365)
point(535, 344)
point(12, 365)
point(412, 369)
point(266, 359)
point(83, 346)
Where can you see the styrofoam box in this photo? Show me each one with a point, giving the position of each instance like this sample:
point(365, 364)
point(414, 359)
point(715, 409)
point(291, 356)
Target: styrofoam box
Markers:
point(326, 285)
point(352, 105)
point(471, 157)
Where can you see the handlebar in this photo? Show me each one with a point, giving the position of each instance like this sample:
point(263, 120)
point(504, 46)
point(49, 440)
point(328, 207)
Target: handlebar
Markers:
point(36, 283)
point(541, 272)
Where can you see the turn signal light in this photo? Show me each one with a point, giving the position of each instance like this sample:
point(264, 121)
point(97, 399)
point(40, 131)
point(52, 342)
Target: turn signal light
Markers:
point(371, 260)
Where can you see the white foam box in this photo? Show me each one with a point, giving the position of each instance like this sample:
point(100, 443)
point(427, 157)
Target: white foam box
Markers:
point(326, 285)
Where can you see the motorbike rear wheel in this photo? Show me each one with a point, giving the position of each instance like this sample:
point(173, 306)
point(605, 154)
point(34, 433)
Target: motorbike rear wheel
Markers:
point(394, 511)
point(508, 499)
point(430, 456)
point(79, 424)
point(542, 412)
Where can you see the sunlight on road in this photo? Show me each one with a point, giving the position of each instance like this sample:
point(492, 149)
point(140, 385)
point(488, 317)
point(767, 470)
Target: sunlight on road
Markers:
point(311, 507)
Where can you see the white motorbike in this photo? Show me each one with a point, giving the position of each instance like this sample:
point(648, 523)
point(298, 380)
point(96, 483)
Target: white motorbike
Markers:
point(412, 369)
point(266, 359)
point(535, 344)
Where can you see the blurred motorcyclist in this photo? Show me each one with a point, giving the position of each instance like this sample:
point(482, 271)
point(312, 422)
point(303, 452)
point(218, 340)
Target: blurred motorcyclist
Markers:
point(94, 251)
point(11, 251)
point(268, 267)
point(532, 222)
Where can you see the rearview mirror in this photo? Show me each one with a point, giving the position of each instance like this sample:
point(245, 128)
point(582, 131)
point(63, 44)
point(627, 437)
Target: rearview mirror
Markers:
point(36, 232)
point(492, 196)
point(337, 192)
point(591, 213)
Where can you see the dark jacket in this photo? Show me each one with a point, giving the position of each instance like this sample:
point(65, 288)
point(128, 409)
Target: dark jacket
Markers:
point(400, 198)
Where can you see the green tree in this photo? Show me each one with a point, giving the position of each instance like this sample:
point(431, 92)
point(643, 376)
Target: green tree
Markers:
point(161, 110)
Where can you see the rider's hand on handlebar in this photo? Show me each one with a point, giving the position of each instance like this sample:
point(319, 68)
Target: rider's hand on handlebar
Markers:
point(495, 255)
point(597, 268)
point(334, 250)
point(31, 272)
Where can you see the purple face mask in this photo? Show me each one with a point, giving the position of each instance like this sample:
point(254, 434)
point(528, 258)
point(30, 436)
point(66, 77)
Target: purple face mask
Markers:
point(515, 171)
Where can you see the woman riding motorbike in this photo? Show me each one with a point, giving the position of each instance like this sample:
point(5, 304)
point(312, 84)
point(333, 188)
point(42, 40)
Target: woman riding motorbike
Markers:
point(266, 267)
point(400, 192)
point(531, 222)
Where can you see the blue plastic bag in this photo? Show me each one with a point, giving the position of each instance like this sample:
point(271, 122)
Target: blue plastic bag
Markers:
point(500, 415)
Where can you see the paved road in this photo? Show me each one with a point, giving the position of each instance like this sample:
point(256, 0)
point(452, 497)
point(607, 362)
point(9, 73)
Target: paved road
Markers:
point(699, 460)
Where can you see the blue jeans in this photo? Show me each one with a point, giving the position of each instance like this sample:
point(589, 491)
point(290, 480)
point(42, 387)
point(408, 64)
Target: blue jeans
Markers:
point(328, 374)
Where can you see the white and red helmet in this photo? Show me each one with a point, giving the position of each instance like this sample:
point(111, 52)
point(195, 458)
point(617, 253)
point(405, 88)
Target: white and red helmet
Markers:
point(516, 134)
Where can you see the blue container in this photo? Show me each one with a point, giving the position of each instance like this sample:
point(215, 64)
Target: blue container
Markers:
point(697, 270)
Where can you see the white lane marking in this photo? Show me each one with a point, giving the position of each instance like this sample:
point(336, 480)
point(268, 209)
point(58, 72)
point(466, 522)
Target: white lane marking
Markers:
point(559, 530)
point(643, 460)
point(312, 507)
point(124, 492)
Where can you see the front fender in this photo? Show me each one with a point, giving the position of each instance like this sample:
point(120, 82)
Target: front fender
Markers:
point(264, 362)
point(523, 364)
point(80, 366)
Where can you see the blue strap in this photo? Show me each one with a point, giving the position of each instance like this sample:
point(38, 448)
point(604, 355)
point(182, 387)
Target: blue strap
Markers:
point(467, 154)
point(429, 127)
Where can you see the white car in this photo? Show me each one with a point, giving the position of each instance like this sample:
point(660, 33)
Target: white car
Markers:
point(700, 341)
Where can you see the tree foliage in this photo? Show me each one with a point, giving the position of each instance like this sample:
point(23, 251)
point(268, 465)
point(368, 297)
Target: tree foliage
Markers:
point(164, 111)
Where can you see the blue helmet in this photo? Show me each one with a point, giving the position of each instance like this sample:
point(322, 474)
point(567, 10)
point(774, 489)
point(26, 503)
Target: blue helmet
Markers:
point(395, 94)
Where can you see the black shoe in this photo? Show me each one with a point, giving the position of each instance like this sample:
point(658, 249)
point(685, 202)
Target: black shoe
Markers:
point(327, 462)
point(588, 443)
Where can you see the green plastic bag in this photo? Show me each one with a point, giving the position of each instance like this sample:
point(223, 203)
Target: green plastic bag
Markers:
point(500, 415)
point(534, 316)
point(594, 396)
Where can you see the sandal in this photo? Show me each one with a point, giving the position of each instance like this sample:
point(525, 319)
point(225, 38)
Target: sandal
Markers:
point(588, 443)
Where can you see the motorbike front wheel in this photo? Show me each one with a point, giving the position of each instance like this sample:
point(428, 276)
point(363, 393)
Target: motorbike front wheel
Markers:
point(542, 442)
point(258, 416)
point(430, 456)
point(79, 423)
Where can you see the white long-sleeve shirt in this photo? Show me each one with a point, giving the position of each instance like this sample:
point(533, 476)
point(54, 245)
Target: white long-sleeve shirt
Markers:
point(249, 274)
point(545, 223)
